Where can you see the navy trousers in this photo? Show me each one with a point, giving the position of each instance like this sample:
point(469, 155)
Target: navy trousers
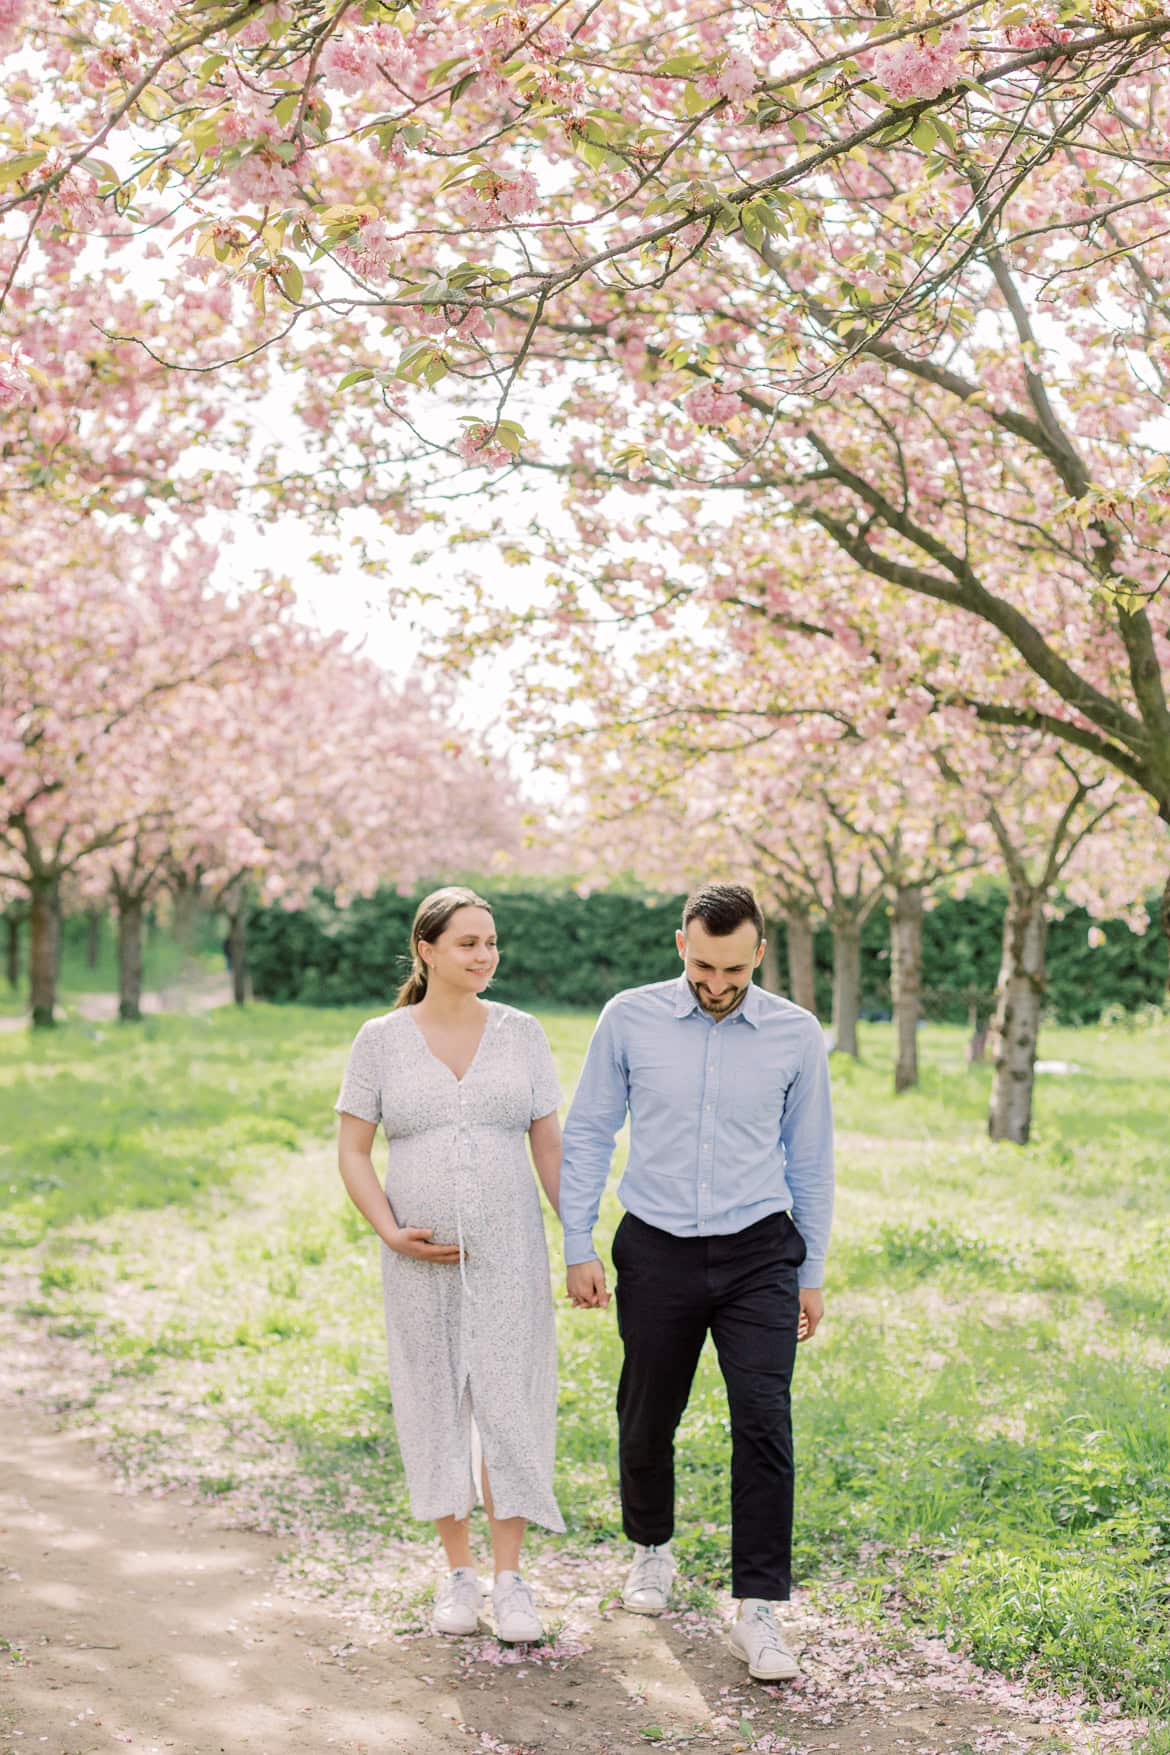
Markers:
point(742, 1290)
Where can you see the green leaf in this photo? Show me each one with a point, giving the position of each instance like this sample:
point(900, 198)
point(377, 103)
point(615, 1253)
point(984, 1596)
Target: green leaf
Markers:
point(358, 376)
point(14, 168)
point(460, 86)
point(292, 282)
point(679, 65)
point(924, 134)
point(152, 103)
point(461, 172)
point(438, 74)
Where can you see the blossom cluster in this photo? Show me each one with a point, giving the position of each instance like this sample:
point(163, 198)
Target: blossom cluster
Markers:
point(712, 406)
point(922, 66)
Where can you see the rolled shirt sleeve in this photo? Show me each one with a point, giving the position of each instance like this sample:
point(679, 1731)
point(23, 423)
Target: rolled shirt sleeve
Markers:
point(597, 1113)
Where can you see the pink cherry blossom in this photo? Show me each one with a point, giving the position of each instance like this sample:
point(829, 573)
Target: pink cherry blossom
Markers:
point(712, 406)
point(350, 63)
point(11, 14)
point(16, 387)
point(737, 77)
point(920, 68)
point(476, 445)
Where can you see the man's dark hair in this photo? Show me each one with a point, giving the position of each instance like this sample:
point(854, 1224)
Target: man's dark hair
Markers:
point(723, 907)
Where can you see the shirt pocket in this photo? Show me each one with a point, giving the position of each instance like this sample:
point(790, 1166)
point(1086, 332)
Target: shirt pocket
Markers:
point(655, 1080)
point(756, 1096)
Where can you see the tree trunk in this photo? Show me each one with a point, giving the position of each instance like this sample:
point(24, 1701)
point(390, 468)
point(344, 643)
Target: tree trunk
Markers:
point(43, 951)
point(186, 898)
point(801, 968)
point(13, 925)
point(130, 912)
point(846, 986)
point(93, 936)
point(1020, 997)
point(906, 982)
point(977, 1043)
point(770, 967)
point(238, 951)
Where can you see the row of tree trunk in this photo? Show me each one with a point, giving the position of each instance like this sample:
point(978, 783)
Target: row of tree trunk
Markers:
point(1013, 1037)
point(1012, 1040)
point(42, 916)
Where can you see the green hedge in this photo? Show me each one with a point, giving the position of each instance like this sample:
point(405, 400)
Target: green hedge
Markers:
point(562, 949)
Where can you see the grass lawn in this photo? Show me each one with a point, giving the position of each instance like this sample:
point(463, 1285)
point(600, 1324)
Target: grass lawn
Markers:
point(983, 1422)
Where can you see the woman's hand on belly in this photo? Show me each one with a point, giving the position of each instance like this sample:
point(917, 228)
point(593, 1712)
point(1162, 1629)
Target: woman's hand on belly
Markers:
point(419, 1244)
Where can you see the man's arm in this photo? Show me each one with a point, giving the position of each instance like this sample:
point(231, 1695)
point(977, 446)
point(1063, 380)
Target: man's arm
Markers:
point(597, 1112)
point(806, 1132)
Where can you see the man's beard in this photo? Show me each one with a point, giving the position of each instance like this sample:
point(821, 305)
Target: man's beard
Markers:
point(721, 1008)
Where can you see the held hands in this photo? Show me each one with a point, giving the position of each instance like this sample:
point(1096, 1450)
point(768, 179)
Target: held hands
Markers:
point(812, 1308)
point(585, 1284)
point(409, 1240)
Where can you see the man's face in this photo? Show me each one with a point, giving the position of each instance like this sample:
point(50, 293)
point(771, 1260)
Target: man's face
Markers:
point(719, 969)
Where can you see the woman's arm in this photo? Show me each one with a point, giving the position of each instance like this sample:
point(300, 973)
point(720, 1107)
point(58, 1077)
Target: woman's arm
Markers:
point(355, 1137)
point(544, 1142)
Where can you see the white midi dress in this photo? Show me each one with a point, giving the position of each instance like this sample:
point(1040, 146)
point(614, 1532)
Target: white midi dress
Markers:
point(473, 1340)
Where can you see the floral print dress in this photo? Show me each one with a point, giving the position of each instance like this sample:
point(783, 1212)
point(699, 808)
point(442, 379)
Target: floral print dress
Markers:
point(474, 1340)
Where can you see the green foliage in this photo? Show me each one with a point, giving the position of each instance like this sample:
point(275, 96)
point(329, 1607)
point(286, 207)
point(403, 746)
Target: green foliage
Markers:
point(563, 949)
point(558, 949)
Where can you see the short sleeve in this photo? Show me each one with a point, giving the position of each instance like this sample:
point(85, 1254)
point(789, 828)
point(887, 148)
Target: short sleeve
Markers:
point(546, 1089)
point(361, 1086)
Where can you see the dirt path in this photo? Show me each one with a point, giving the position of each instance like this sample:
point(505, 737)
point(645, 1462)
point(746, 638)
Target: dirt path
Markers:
point(139, 1621)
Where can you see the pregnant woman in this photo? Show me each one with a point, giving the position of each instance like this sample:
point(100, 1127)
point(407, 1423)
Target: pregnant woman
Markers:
point(457, 1084)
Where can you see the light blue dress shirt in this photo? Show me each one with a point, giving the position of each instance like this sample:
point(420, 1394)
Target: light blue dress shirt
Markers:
point(729, 1121)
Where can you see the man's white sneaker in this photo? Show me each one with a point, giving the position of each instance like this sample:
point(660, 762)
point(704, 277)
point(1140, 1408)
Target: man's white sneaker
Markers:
point(649, 1581)
point(458, 1602)
point(756, 1637)
point(517, 1622)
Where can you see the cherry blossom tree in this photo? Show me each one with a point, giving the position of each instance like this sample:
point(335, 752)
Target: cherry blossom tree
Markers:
point(302, 766)
point(794, 751)
point(106, 643)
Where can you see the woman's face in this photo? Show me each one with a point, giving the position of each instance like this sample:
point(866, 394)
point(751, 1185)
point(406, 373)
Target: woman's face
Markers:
point(464, 955)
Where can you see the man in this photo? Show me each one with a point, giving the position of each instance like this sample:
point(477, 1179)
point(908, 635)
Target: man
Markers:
point(728, 1195)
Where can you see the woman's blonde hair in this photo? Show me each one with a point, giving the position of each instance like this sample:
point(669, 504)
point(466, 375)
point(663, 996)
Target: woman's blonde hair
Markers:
point(431, 919)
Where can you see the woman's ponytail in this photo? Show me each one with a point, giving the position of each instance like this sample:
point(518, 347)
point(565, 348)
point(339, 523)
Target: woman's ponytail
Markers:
point(414, 986)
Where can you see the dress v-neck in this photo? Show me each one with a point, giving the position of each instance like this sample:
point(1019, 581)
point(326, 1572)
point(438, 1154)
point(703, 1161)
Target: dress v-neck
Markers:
point(438, 1058)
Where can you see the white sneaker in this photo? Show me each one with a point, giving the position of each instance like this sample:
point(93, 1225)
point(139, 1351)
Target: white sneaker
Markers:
point(650, 1580)
point(458, 1602)
point(517, 1622)
point(756, 1637)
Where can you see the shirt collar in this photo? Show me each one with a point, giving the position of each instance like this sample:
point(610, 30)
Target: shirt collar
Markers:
point(748, 1008)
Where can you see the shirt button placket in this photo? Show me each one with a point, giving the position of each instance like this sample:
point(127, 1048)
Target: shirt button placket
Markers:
point(707, 1129)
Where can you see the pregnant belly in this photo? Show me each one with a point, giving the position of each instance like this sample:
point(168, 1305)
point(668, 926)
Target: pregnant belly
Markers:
point(486, 1201)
